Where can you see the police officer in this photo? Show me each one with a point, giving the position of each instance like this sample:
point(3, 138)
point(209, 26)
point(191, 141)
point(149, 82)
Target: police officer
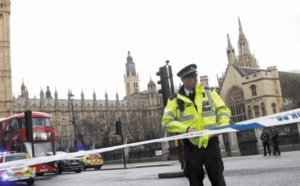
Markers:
point(264, 137)
point(274, 138)
point(195, 108)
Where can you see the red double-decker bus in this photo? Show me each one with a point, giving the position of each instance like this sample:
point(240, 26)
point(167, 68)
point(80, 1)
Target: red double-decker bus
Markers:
point(13, 135)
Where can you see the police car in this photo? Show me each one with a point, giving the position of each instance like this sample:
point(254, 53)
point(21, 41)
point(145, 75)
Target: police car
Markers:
point(91, 161)
point(19, 174)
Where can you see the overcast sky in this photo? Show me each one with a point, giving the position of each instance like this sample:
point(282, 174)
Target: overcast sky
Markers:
point(83, 44)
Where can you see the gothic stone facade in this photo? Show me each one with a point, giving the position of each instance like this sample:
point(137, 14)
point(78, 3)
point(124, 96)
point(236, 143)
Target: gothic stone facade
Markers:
point(252, 92)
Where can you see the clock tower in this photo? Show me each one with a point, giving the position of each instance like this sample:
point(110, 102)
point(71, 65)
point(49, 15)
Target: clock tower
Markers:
point(131, 78)
point(5, 64)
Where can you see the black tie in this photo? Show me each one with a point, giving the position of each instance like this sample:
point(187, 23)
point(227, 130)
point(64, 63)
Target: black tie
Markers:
point(191, 96)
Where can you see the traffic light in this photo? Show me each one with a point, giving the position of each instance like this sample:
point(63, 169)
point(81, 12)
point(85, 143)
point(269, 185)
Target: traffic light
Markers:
point(28, 125)
point(118, 128)
point(164, 82)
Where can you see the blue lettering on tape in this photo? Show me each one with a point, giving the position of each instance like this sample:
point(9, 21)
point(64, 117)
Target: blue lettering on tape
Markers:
point(295, 115)
point(286, 117)
point(281, 118)
point(246, 126)
point(241, 127)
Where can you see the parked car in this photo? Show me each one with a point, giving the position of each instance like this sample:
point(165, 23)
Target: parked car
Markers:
point(91, 161)
point(19, 174)
point(67, 165)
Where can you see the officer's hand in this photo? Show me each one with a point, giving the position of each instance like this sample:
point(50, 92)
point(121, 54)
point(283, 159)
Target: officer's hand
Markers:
point(192, 130)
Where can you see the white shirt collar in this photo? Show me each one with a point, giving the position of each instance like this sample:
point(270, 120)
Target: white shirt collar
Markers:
point(187, 92)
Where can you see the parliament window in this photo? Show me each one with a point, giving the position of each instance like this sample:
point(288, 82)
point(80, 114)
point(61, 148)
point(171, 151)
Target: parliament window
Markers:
point(263, 109)
point(274, 108)
point(256, 111)
point(250, 112)
point(64, 129)
point(253, 90)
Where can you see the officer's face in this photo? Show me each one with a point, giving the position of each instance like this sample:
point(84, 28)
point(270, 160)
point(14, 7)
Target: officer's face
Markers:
point(190, 81)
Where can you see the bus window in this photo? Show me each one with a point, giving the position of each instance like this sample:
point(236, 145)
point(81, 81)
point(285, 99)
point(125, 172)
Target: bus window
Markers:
point(14, 124)
point(9, 127)
point(21, 122)
point(37, 122)
point(41, 122)
point(48, 122)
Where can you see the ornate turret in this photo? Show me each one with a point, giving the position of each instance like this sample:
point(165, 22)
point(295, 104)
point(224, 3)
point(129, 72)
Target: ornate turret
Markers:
point(94, 96)
point(56, 98)
point(204, 81)
point(151, 86)
point(48, 93)
point(42, 100)
point(94, 99)
point(55, 95)
point(27, 102)
point(245, 58)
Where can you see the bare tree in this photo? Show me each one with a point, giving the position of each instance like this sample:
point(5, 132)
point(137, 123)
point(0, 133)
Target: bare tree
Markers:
point(95, 132)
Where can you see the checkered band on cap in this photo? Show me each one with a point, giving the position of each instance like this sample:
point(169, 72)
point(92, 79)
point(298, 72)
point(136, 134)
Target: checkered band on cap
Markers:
point(191, 70)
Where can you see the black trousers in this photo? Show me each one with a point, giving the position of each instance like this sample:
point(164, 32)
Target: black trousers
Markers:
point(276, 147)
point(266, 146)
point(198, 158)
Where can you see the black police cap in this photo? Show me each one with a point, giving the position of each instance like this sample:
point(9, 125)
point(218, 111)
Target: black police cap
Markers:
point(190, 69)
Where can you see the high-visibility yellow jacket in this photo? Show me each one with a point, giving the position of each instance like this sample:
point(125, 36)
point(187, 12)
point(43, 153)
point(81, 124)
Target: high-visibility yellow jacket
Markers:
point(209, 111)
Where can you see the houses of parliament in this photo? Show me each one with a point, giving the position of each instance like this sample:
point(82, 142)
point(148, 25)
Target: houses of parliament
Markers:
point(249, 91)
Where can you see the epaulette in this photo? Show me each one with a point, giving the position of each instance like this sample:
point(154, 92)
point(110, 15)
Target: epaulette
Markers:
point(173, 96)
point(210, 88)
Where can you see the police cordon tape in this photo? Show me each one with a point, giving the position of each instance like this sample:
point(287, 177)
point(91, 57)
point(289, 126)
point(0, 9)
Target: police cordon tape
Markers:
point(287, 117)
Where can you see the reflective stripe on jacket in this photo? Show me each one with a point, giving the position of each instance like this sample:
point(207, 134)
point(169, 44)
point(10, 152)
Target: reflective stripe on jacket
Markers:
point(209, 111)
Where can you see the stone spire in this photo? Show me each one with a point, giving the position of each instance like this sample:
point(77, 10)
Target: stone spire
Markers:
point(230, 51)
point(82, 99)
point(245, 58)
point(130, 66)
point(117, 100)
point(23, 89)
point(94, 100)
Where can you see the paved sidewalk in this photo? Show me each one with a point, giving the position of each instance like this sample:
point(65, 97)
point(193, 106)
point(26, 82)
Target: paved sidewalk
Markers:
point(139, 165)
point(251, 170)
point(227, 160)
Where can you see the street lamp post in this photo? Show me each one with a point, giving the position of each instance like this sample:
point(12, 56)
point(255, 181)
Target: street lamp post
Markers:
point(71, 97)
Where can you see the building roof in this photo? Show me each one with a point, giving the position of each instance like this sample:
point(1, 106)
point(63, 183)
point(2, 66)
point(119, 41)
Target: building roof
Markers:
point(64, 102)
point(290, 83)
